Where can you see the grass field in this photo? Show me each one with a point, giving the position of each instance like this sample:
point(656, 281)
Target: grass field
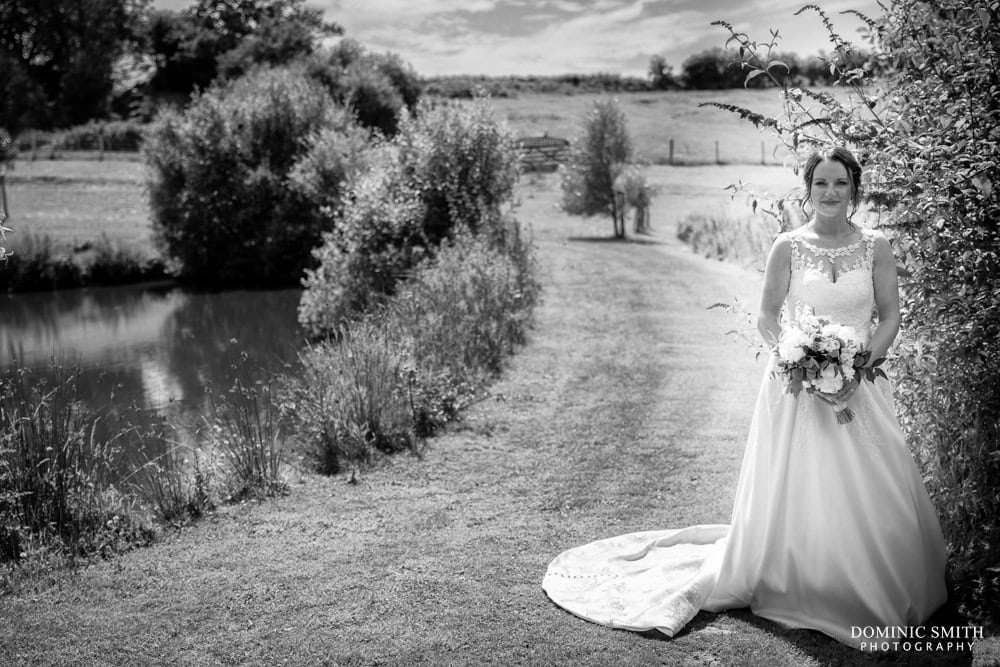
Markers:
point(75, 201)
point(654, 119)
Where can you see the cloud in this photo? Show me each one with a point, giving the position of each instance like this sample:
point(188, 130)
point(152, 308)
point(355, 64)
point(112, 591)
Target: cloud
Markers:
point(500, 37)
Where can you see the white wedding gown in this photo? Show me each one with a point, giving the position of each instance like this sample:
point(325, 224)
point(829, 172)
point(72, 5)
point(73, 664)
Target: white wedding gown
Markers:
point(831, 528)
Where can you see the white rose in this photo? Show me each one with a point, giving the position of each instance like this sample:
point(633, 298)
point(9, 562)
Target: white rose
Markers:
point(829, 381)
point(848, 335)
point(790, 345)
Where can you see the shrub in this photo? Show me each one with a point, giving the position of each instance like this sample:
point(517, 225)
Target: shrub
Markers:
point(222, 204)
point(375, 241)
point(462, 314)
point(450, 168)
point(588, 175)
point(335, 157)
point(405, 369)
point(376, 87)
point(929, 141)
point(351, 399)
point(372, 96)
point(463, 161)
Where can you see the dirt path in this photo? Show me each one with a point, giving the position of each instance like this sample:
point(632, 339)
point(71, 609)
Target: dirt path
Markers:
point(627, 411)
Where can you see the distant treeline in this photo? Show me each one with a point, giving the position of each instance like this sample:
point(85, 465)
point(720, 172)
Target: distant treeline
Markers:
point(464, 85)
point(711, 69)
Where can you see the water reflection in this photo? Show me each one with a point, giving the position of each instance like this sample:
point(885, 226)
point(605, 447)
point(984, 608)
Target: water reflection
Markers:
point(155, 346)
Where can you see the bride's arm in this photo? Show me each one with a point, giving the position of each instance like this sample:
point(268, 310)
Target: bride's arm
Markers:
point(886, 298)
point(777, 272)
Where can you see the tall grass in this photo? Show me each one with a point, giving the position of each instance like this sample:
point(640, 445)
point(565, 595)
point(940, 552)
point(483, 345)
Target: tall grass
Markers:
point(176, 485)
point(352, 398)
point(244, 427)
point(56, 468)
point(740, 238)
point(37, 263)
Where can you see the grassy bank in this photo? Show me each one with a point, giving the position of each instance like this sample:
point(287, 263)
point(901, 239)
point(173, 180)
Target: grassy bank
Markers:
point(620, 415)
point(78, 223)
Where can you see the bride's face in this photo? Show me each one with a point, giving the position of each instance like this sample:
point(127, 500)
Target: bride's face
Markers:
point(830, 192)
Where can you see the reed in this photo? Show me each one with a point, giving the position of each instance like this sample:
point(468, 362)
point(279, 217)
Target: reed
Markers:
point(57, 469)
point(244, 426)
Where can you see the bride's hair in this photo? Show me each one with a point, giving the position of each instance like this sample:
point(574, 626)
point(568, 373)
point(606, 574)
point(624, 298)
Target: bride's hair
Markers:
point(844, 157)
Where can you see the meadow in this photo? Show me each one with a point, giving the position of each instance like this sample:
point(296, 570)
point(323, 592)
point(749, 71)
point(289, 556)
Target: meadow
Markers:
point(657, 118)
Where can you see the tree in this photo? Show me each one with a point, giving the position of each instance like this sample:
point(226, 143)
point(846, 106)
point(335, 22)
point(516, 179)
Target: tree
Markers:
point(711, 69)
point(376, 86)
point(225, 38)
point(59, 54)
point(589, 175)
point(661, 75)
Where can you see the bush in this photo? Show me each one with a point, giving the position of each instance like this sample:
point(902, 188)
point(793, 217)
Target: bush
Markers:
point(352, 397)
point(930, 146)
point(463, 161)
point(372, 96)
point(463, 313)
point(375, 241)
point(376, 87)
point(588, 175)
point(224, 208)
point(407, 368)
point(450, 168)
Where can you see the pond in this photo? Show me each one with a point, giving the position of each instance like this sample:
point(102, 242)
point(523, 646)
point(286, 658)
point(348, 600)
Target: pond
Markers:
point(155, 346)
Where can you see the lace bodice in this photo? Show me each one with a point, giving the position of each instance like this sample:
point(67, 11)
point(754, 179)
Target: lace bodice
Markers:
point(836, 283)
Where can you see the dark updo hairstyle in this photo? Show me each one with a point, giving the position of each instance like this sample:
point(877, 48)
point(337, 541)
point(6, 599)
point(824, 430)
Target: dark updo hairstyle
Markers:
point(844, 157)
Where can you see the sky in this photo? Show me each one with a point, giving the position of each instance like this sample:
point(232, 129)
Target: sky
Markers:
point(544, 37)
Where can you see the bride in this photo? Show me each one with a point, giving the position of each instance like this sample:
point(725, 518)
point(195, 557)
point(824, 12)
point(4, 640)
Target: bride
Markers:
point(831, 528)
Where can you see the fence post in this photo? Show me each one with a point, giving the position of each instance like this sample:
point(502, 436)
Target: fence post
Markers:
point(100, 142)
point(717, 152)
point(34, 145)
point(3, 195)
point(762, 152)
point(670, 160)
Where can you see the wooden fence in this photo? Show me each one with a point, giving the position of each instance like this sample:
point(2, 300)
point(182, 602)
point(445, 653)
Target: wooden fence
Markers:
point(543, 153)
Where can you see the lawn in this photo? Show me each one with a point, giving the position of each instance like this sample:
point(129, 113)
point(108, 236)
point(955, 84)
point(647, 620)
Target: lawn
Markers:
point(626, 411)
point(75, 201)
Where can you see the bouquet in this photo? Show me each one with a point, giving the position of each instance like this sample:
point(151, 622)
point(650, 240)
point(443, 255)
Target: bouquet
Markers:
point(816, 354)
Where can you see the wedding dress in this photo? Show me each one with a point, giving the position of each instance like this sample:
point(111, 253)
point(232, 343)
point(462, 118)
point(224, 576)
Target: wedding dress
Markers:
point(831, 528)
